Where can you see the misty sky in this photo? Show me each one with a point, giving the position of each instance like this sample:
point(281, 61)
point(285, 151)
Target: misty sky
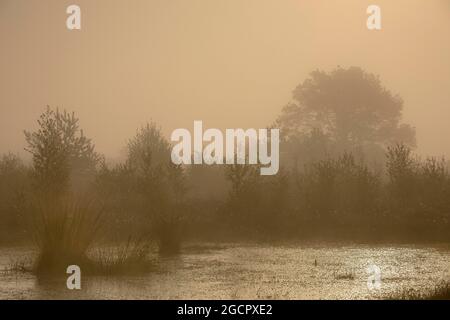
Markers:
point(230, 63)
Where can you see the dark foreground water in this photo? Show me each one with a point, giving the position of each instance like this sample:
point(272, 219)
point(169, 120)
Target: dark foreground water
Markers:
point(242, 271)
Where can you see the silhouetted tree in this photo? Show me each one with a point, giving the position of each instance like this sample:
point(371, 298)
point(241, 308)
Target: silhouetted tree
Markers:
point(402, 172)
point(348, 107)
point(244, 194)
point(160, 183)
point(337, 193)
point(14, 181)
point(435, 185)
point(60, 151)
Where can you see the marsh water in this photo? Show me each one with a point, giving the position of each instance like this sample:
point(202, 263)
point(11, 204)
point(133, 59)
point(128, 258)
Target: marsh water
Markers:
point(250, 271)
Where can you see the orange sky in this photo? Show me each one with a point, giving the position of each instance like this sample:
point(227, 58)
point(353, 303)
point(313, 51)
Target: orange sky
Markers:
point(230, 63)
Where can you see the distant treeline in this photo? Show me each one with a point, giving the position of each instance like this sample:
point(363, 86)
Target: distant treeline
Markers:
point(348, 172)
point(335, 198)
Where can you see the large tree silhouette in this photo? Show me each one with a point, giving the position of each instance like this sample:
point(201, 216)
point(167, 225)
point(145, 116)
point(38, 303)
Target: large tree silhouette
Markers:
point(348, 106)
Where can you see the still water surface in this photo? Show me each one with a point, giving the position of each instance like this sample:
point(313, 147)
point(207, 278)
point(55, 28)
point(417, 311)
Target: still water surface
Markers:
point(243, 271)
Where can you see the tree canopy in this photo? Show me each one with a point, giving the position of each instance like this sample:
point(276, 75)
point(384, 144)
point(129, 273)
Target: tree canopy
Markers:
point(59, 149)
point(349, 106)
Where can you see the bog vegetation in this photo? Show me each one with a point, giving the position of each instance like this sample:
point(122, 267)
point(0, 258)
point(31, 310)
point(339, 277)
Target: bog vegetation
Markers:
point(348, 171)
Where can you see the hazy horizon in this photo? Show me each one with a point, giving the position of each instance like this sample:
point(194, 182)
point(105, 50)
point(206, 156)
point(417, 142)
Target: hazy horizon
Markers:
point(333, 202)
point(228, 63)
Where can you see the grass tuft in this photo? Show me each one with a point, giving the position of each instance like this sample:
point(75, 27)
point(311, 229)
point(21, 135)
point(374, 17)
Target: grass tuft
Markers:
point(347, 275)
point(128, 258)
point(64, 231)
point(19, 266)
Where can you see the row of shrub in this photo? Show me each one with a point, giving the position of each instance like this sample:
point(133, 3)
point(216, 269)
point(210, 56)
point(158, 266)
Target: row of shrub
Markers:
point(335, 198)
point(69, 192)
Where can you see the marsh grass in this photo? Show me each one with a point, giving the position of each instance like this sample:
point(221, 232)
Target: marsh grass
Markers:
point(440, 292)
point(345, 275)
point(64, 230)
point(24, 265)
point(128, 258)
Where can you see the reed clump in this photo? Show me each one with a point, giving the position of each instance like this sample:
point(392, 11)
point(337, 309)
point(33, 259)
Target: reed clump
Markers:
point(64, 230)
point(65, 233)
point(346, 275)
point(130, 257)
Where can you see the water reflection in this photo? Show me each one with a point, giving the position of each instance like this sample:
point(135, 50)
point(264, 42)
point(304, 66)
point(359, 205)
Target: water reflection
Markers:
point(251, 272)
